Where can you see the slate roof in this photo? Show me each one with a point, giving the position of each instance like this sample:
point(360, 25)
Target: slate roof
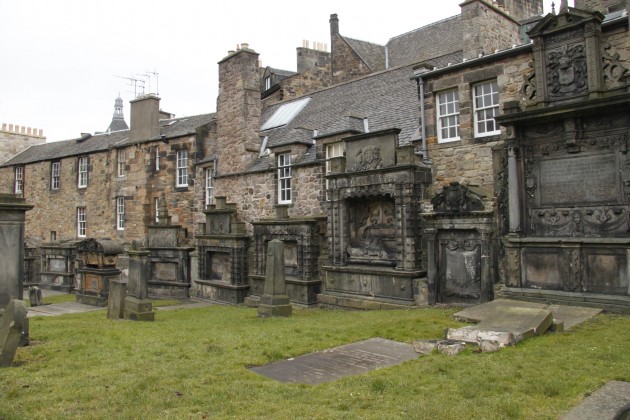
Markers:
point(437, 39)
point(387, 99)
point(118, 124)
point(87, 144)
point(372, 54)
point(283, 73)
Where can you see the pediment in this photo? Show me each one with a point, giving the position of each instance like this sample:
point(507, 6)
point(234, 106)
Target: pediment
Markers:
point(570, 18)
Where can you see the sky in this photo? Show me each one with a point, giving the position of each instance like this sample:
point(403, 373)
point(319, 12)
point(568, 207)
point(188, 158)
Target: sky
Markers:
point(64, 62)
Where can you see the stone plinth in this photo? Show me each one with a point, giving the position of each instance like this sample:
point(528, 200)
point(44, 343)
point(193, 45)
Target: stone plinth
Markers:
point(116, 300)
point(12, 215)
point(275, 302)
point(137, 305)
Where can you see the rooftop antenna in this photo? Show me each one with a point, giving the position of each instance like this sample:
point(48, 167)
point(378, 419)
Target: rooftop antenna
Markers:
point(135, 83)
point(157, 81)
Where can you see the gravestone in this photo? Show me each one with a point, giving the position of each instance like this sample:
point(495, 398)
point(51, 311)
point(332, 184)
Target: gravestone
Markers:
point(137, 306)
point(35, 296)
point(11, 326)
point(275, 302)
point(116, 300)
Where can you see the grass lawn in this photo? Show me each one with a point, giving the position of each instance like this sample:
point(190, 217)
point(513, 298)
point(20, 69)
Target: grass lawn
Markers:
point(193, 363)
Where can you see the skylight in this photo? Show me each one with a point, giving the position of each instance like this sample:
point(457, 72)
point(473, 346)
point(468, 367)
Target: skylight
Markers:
point(285, 114)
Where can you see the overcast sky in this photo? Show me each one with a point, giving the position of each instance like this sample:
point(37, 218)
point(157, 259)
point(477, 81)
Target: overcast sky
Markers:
point(59, 58)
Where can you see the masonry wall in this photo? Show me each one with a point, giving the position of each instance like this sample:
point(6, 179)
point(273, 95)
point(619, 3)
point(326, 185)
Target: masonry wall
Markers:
point(469, 160)
point(14, 139)
point(602, 6)
point(346, 63)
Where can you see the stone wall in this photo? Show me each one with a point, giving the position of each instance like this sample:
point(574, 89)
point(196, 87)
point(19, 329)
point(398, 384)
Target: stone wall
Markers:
point(14, 139)
point(602, 6)
point(522, 9)
point(469, 160)
point(486, 28)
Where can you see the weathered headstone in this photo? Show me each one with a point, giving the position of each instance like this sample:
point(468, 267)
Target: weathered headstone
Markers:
point(137, 306)
point(275, 301)
point(35, 296)
point(11, 328)
point(116, 300)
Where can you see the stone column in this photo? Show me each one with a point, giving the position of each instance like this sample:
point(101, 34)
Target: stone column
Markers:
point(431, 234)
point(486, 280)
point(137, 305)
point(514, 193)
point(12, 216)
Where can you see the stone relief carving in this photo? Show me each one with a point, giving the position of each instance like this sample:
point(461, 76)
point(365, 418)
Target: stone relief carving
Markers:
point(566, 71)
point(529, 86)
point(456, 198)
point(501, 191)
point(373, 233)
point(513, 267)
point(368, 157)
point(614, 71)
point(591, 222)
point(571, 276)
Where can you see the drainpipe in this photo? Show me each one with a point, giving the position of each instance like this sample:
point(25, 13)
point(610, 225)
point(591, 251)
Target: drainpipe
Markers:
point(423, 134)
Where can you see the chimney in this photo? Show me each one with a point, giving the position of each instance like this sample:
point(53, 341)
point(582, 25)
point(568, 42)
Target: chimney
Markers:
point(145, 117)
point(334, 24)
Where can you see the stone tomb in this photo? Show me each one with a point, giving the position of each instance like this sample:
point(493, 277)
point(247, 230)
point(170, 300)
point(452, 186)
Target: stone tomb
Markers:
point(374, 241)
point(169, 263)
point(301, 238)
point(58, 266)
point(563, 176)
point(222, 254)
point(97, 267)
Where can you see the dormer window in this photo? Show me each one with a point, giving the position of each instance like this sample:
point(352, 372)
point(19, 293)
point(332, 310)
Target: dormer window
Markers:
point(267, 82)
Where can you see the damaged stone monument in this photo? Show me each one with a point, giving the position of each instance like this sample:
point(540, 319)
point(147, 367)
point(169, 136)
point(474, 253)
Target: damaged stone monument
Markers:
point(137, 306)
point(274, 301)
point(12, 325)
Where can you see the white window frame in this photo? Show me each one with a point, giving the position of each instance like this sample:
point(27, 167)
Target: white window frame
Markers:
point(448, 116)
point(120, 213)
point(157, 209)
point(284, 178)
point(82, 179)
point(157, 158)
point(81, 222)
point(120, 163)
point(18, 183)
point(55, 175)
point(333, 150)
point(209, 187)
point(485, 108)
point(267, 82)
point(182, 168)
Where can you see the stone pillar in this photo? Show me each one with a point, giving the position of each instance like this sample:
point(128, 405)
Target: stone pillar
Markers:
point(431, 235)
point(12, 216)
point(275, 301)
point(137, 305)
point(514, 193)
point(486, 279)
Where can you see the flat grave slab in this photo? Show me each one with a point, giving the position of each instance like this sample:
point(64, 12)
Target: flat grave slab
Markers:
point(332, 364)
point(569, 315)
point(61, 309)
point(602, 404)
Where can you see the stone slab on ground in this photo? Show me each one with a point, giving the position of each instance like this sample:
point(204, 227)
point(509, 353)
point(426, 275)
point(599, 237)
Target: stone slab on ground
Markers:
point(570, 316)
point(332, 364)
point(62, 309)
point(603, 403)
point(193, 304)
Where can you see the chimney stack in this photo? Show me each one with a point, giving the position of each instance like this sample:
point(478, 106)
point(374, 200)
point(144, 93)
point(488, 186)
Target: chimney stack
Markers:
point(334, 24)
point(145, 117)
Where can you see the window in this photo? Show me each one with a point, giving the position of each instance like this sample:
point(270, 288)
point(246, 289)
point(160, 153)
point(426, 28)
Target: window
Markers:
point(448, 116)
point(157, 158)
point(121, 162)
point(83, 172)
point(55, 170)
point(81, 222)
point(267, 82)
point(18, 185)
point(120, 213)
point(157, 210)
point(333, 150)
point(53, 235)
point(182, 168)
point(284, 178)
point(209, 186)
point(486, 107)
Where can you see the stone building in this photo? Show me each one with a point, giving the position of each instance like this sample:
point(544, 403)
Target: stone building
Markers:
point(438, 167)
point(14, 139)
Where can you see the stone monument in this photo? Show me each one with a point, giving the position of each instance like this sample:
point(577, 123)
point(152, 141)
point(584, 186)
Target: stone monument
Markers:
point(97, 261)
point(274, 301)
point(137, 305)
point(12, 324)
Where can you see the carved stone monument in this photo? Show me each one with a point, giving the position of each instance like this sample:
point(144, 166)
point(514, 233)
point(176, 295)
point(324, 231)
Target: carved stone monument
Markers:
point(58, 271)
point(137, 306)
point(97, 267)
point(12, 324)
point(563, 176)
point(274, 301)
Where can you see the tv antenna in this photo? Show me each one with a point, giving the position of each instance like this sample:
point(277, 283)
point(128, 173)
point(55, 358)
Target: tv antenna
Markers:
point(149, 75)
point(138, 84)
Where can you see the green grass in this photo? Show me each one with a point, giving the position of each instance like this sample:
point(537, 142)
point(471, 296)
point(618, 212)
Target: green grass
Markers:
point(51, 300)
point(193, 363)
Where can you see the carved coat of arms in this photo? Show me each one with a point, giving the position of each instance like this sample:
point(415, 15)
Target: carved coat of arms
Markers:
point(566, 71)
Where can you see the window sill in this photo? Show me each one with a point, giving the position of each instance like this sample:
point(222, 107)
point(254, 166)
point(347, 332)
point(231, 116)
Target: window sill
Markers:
point(181, 188)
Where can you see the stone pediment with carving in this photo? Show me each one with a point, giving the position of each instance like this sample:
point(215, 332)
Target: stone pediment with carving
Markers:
point(457, 198)
point(366, 152)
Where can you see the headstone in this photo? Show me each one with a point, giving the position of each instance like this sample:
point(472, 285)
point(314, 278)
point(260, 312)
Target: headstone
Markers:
point(35, 296)
point(116, 301)
point(274, 301)
point(137, 306)
point(11, 328)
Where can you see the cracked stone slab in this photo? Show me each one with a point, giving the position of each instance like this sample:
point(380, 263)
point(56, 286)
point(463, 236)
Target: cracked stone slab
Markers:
point(604, 403)
point(332, 364)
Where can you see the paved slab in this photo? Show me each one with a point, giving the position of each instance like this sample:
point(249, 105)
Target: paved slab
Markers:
point(330, 365)
point(191, 305)
point(569, 315)
point(62, 309)
point(603, 403)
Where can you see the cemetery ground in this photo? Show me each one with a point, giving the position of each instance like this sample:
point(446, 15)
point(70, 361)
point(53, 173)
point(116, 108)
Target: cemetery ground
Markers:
point(194, 363)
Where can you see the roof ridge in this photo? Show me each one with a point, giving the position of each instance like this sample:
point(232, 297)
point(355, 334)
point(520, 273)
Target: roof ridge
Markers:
point(423, 27)
point(360, 40)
